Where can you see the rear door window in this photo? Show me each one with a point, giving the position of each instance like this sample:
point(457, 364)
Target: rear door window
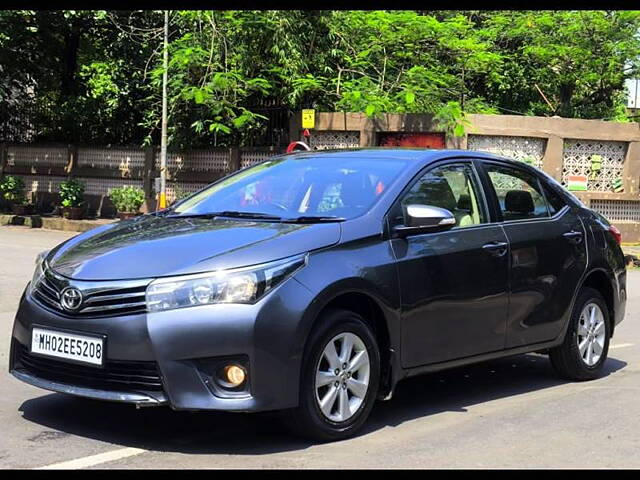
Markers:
point(519, 193)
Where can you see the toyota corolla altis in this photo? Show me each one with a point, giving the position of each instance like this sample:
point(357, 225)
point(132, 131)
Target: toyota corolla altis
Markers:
point(312, 283)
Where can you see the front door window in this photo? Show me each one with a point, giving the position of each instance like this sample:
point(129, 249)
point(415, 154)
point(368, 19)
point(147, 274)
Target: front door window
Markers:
point(452, 187)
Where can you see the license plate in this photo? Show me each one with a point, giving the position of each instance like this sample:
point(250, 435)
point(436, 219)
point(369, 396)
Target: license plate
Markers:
point(68, 346)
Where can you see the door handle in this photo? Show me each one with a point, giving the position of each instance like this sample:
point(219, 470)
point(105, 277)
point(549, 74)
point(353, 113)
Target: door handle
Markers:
point(573, 236)
point(497, 249)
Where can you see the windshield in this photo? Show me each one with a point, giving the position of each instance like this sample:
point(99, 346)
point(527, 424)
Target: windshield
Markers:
point(294, 187)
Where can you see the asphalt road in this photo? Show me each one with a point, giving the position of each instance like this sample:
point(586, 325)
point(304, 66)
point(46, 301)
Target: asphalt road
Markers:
point(512, 412)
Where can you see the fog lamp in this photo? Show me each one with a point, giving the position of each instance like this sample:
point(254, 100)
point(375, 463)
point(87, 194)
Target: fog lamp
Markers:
point(234, 374)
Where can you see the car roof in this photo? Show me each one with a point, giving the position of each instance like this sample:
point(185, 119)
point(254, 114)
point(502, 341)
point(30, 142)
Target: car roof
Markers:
point(421, 155)
point(373, 153)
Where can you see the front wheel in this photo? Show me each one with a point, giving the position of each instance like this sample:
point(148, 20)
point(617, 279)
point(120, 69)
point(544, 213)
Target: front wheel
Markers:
point(582, 354)
point(340, 377)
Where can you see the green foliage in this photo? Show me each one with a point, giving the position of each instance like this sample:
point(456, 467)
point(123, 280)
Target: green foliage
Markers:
point(127, 199)
point(579, 59)
point(12, 190)
point(407, 61)
point(95, 76)
point(71, 193)
point(78, 76)
point(452, 120)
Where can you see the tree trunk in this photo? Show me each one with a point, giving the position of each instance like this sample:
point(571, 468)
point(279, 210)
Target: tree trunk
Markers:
point(71, 47)
point(566, 93)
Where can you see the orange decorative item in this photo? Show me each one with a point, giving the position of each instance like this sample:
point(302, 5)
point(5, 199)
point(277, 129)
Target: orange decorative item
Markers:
point(421, 140)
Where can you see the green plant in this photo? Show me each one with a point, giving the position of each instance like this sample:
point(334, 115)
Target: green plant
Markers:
point(71, 193)
point(12, 190)
point(452, 119)
point(127, 199)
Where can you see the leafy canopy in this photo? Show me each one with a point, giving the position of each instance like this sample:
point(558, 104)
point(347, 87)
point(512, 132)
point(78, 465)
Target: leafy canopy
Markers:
point(95, 76)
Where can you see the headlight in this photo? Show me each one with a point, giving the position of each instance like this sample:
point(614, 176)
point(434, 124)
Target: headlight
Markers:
point(242, 285)
point(39, 271)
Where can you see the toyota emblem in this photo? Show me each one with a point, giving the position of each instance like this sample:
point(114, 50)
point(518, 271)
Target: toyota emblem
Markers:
point(71, 298)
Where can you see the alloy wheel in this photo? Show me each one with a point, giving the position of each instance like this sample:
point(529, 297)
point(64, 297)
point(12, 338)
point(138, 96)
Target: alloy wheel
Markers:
point(591, 334)
point(342, 377)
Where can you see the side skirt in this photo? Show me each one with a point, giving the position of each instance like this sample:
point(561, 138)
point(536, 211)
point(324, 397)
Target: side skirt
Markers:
point(436, 367)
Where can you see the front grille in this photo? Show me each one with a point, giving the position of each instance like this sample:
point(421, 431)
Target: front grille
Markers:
point(116, 376)
point(106, 298)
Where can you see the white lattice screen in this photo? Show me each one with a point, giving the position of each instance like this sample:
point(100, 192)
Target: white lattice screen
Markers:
point(121, 158)
point(102, 186)
point(27, 155)
point(620, 210)
point(177, 190)
point(201, 160)
point(42, 183)
point(251, 157)
point(577, 160)
point(334, 139)
point(93, 186)
point(526, 149)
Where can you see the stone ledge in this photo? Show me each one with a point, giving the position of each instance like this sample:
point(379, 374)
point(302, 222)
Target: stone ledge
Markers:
point(54, 223)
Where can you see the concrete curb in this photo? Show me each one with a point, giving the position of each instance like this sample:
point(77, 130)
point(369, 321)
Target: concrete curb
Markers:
point(54, 223)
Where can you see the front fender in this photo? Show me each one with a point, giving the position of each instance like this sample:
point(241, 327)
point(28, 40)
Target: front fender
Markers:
point(371, 271)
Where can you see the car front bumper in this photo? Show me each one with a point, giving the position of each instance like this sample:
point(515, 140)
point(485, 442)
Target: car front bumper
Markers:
point(138, 399)
point(185, 346)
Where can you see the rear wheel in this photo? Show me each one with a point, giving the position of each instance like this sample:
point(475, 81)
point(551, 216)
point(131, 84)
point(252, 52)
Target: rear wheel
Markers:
point(584, 350)
point(340, 376)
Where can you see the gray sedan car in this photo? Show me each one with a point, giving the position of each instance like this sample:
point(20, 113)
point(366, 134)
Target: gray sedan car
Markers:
point(313, 283)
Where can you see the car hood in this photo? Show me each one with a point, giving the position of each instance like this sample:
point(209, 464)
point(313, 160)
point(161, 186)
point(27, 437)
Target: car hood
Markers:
point(151, 246)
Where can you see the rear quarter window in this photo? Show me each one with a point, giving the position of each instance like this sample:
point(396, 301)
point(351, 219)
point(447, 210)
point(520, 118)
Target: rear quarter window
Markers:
point(554, 200)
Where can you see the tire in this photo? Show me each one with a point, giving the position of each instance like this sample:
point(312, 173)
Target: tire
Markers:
point(308, 419)
point(568, 359)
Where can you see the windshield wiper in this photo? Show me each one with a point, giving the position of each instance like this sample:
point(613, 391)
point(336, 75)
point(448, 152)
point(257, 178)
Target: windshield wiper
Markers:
point(235, 214)
point(226, 213)
point(314, 219)
point(260, 216)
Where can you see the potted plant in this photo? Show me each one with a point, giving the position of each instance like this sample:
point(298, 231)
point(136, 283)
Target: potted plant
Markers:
point(72, 198)
point(127, 200)
point(12, 191)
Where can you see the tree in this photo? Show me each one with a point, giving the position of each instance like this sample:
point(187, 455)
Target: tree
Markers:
point(94, 76)
point(579, 59)
point(80, 77)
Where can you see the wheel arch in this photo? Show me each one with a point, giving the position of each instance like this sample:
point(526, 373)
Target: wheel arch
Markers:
point(599, 280)
point(374, 311)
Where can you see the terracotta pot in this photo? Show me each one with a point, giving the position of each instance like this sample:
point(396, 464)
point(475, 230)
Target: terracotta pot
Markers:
point(125, 215)
point(22, 209)
point(73, 213)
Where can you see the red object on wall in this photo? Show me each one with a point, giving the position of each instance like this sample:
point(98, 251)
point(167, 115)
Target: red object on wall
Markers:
point(421, 140)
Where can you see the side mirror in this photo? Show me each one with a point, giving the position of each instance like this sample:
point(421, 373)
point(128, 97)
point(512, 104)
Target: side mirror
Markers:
point(425, 218)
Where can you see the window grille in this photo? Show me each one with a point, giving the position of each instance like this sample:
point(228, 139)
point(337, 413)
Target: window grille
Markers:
point(526, 149)
point(601, 171)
